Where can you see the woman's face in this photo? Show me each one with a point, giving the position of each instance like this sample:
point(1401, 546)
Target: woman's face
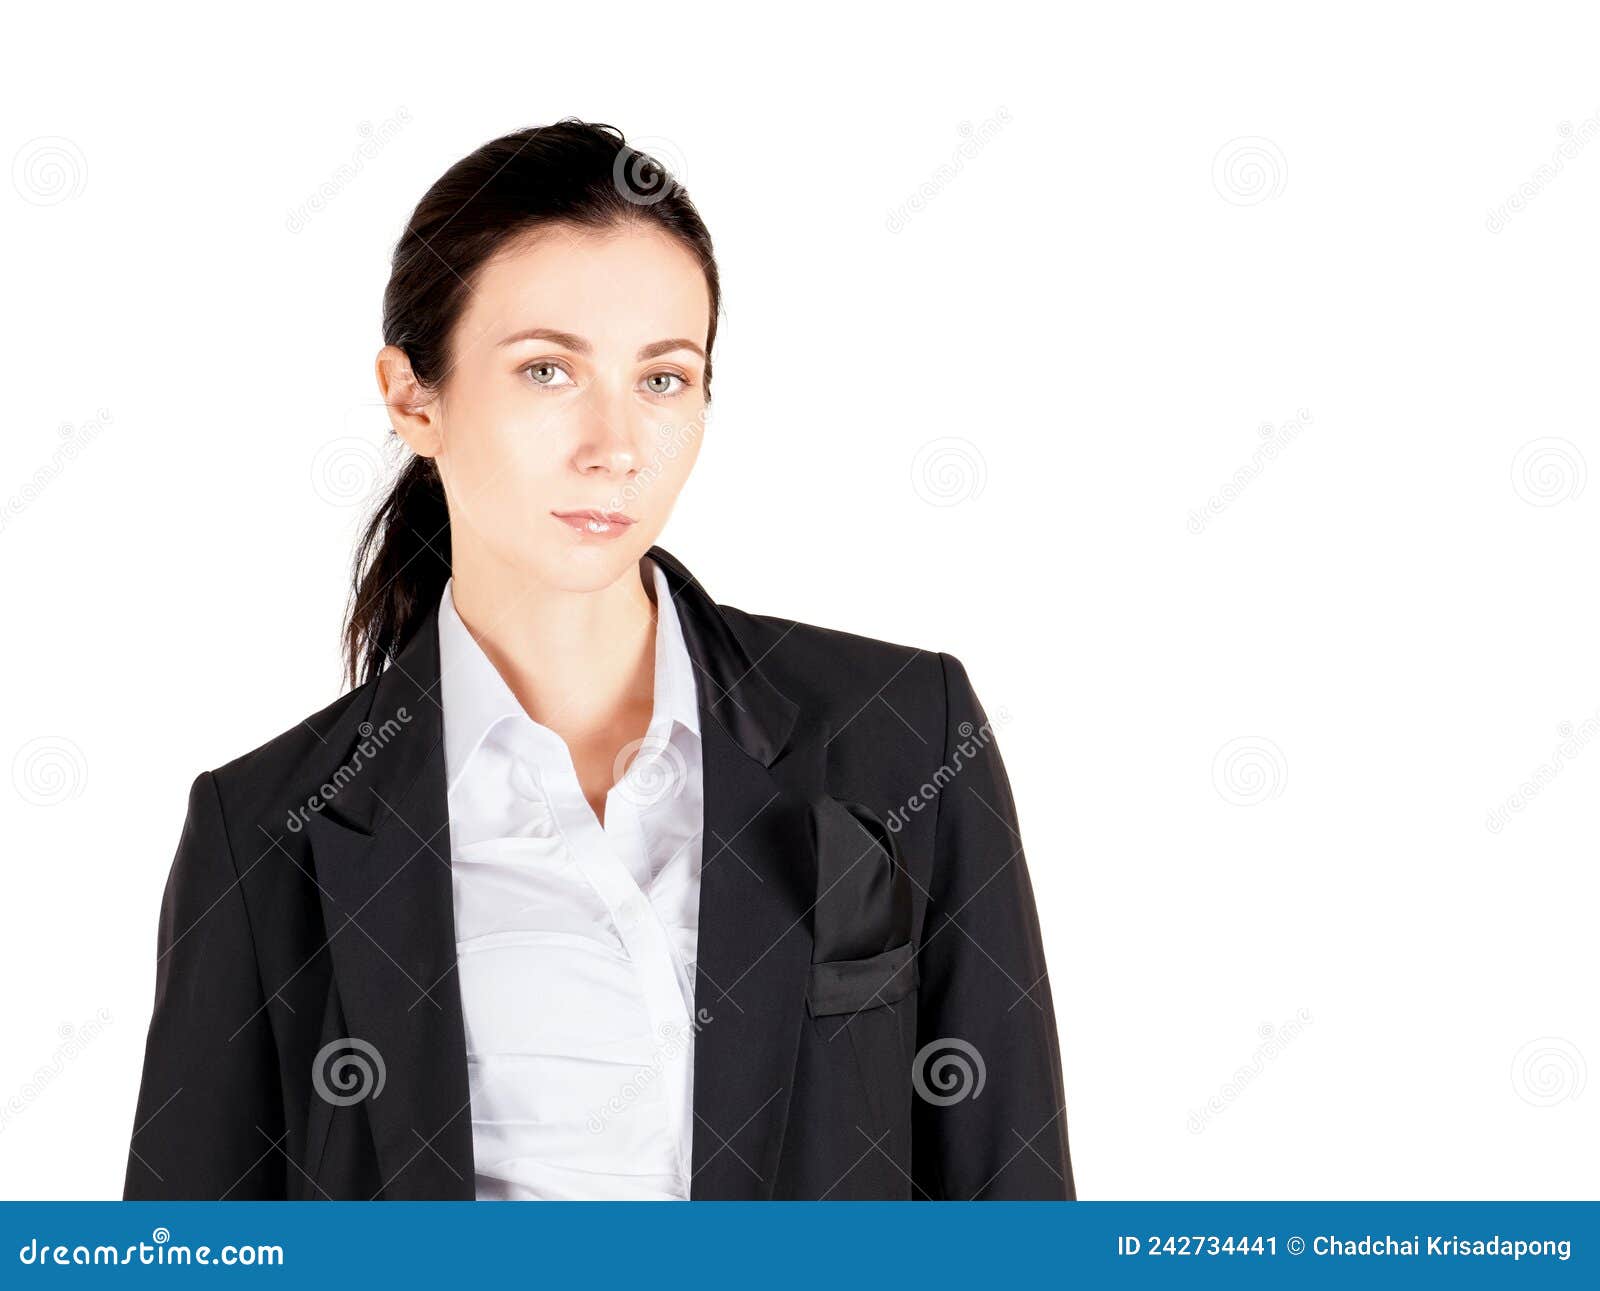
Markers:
point(573, 411)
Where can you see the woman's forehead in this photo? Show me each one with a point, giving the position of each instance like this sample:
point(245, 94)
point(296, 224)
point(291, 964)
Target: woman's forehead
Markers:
point(616, 287)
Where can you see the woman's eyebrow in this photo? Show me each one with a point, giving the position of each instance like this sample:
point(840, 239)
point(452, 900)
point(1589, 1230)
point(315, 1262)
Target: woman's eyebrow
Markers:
point(656, 348)
point(564, 339)
point(578, 345)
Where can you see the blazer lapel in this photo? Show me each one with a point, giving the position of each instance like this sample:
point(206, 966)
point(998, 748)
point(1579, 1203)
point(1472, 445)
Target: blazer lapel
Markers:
point(381, 851)
point(763, 766)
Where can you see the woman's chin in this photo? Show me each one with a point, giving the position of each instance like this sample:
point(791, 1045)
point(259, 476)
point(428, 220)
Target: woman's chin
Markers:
point(588, 565)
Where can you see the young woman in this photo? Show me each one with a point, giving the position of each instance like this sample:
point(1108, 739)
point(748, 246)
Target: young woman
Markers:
point(592, 887)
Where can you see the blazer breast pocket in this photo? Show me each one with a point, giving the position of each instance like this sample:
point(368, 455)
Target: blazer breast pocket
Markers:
point(850, 985)
point(861, 918)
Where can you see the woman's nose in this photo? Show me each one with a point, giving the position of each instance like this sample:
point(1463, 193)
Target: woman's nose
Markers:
point(610, 444)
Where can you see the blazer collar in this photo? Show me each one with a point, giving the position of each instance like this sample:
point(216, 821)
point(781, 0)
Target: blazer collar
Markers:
point(758, 716)
point(381, 854)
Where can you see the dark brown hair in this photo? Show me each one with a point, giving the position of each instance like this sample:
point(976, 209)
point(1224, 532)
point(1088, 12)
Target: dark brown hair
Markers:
point(572, 172)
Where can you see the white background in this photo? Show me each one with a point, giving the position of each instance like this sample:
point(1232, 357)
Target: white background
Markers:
point(1254, 764)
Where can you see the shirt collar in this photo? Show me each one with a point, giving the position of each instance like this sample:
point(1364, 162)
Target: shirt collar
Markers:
point(675, 696)
point(476, 698)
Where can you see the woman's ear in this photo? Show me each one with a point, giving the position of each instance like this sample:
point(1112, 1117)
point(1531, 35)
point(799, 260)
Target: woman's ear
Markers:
point(412, 411)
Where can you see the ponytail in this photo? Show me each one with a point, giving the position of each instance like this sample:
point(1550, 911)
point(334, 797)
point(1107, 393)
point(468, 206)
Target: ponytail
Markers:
point(402, 562)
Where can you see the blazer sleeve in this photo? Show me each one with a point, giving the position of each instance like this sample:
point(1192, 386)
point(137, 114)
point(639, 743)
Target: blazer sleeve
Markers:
point(989, 1113)
point(209, 1123)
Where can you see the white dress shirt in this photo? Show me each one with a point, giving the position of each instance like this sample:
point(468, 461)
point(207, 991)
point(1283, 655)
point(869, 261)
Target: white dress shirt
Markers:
point(575, 943)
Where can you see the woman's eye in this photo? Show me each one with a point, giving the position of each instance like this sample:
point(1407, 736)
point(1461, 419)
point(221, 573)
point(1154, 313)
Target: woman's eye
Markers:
point(547, 374)
point(661, 383)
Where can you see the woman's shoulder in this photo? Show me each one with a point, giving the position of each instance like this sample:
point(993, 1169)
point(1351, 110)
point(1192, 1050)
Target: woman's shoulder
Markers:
point(257, 782)
point(815, 640)
point(846, 673)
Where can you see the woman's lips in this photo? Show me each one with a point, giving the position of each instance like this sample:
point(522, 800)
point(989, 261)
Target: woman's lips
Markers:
point(594, 524)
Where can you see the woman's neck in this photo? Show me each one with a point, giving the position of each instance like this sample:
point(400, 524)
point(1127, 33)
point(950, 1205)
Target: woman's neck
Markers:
point(579, 662)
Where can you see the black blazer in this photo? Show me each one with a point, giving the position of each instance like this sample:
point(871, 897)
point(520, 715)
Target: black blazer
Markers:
point(873, 1017)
